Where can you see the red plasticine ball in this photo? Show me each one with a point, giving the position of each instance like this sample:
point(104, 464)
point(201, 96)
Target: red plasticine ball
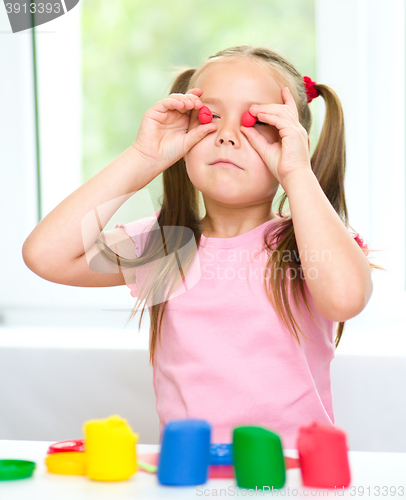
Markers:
point(323, 456)
point(205, 115)
point(248, 120)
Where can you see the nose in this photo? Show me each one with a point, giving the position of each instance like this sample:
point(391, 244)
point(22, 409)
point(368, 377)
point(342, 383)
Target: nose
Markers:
point(228, 132)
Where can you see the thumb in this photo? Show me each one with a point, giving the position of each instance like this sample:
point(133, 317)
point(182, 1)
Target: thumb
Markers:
point(257, 140)
point(197, 134)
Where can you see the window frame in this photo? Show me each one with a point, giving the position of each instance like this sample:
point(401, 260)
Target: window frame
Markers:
point(356, 81)
point(375, 36)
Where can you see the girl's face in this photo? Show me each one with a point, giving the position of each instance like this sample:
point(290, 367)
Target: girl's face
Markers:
point(229, 88)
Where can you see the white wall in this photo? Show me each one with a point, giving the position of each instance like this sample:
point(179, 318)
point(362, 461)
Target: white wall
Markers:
point(361, 55)
point(47, 393)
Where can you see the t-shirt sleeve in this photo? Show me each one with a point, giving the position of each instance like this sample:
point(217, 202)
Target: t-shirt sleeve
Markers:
point(138, 231)
point(361, 242)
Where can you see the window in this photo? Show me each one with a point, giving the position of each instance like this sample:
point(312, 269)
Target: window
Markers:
point(102, 65)
point(367, 70)
point(99, 68)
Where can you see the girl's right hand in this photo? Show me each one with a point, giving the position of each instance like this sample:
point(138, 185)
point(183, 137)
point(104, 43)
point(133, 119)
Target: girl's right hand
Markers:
point(163, 137)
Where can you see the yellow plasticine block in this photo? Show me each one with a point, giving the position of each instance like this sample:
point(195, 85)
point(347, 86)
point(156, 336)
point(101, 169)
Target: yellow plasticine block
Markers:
point(110, 449)
point(71, 462)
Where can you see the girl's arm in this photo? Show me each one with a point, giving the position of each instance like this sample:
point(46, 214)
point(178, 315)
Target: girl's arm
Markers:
point(58, 247)
point(55, 249)
point(336, 270)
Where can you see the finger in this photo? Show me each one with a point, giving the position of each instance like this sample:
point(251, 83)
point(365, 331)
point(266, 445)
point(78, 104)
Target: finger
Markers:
point(256, 139)
point(280, 123)
point(196, 101)
point(190, 97)
point(198, 133)
point(281, 110)
point(288, 99)
point(194, 95)
point(195, 91)
point(175, 102)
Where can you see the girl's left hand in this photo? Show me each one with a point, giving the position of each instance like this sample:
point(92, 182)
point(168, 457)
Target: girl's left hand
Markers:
point(292, 152)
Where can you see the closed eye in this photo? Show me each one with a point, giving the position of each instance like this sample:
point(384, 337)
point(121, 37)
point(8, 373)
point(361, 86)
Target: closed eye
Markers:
point(256, 123)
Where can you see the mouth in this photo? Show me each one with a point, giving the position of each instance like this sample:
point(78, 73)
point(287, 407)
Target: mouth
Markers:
point(225, 163)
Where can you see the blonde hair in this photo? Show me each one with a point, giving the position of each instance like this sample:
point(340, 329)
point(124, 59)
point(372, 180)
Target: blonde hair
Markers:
point(180, 205)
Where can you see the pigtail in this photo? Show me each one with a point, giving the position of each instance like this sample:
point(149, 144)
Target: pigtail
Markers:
point(179, 210)
point(329, 159)
point(180, 207)
point(178, 218)
point(328, 163)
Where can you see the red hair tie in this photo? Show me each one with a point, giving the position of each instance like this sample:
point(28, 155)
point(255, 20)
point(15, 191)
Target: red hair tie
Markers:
point(311, 91)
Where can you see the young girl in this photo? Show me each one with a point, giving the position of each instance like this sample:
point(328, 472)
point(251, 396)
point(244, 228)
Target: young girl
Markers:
point(243, 302)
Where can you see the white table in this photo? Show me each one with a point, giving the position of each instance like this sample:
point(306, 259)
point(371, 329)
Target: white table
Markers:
point(368, 469)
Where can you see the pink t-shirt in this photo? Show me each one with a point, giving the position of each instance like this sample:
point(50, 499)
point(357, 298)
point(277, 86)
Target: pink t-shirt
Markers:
point(226, 356)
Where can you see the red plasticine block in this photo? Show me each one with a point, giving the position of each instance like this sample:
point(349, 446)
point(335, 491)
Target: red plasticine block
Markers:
point(323, 456)
point(248, 120)
point(67, 446)
point(205, 115)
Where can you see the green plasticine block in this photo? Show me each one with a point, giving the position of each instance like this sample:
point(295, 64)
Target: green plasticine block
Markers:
point(147, 467)
point(258, 458)
point(16, 469)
